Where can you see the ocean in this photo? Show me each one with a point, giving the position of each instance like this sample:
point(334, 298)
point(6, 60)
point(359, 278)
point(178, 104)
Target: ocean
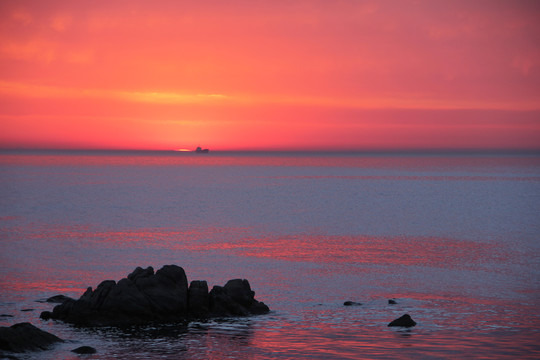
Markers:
point(453, 237)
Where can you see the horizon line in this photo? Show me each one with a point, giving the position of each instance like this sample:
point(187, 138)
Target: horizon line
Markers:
point(278, 151)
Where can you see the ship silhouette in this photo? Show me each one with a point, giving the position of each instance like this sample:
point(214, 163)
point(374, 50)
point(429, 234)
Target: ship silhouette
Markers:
point(201, 150)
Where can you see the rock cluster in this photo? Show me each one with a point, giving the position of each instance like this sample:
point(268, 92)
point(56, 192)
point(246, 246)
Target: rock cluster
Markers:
point(163, 296)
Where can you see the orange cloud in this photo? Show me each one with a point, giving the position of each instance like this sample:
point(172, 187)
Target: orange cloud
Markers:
point(61, 22)
point(27, 90)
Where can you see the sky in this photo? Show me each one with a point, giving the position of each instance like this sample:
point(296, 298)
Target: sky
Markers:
point(270, 75)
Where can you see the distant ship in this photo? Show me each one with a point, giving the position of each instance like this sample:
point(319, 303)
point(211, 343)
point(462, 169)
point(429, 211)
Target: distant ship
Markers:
point(201, 150)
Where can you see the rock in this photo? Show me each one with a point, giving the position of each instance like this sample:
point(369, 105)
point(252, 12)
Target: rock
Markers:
point(84, 350)
point(58, 299)
point(235, 299)
point(351, 303)
point(45, 315)
point(23, 337)
point(5, 316)
point(166, 290)
point(404, 321)
point(163, 296)
point(27, 310)
point(392, 301)
point(198, 299)
point(142, 297)
point(139, 272)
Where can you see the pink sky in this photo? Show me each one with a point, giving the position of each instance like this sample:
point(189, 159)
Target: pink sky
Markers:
point(270, 74)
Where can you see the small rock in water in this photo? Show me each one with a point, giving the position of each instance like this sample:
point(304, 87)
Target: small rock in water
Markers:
point(45, 315)
point(404, 321)
point(392, 301)
point(84, 350)
point(352, 303)
point(25, 310)
point(5, 316)
point(23, 337)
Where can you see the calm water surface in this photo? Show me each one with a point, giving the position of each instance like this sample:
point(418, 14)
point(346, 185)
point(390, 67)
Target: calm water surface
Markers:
point(454, 238)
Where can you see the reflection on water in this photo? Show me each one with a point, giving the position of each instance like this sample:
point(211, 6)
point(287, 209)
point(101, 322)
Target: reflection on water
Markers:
point(410, 161)
point(196, 340)
point(306, 281)
point(453, 239)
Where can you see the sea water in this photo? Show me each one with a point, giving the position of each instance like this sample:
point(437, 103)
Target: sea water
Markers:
point(454, 238)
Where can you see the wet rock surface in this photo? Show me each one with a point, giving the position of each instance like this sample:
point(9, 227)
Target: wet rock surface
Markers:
point(23, 337)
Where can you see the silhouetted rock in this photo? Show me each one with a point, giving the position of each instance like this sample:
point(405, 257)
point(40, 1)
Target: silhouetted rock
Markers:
point(23, 337)
point(235, 299)
point(139, 272)
point(145, 296)
point(142, 297)
point(404, 321)
point(5, 316)
point(351, 303)
point(58, 299)
point(45, 315)
point(198, 299)
point(392, 301)
point(84, 350)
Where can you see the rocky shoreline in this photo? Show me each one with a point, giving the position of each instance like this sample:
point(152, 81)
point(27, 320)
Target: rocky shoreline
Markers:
point(143, 297)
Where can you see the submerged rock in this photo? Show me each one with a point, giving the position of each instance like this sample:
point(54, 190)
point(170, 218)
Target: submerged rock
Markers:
point(23, 337)
point(84, 350)
point(403, 321)
point(351, 303)
point(58, 299)
point(392, 301)
point(163, 296)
